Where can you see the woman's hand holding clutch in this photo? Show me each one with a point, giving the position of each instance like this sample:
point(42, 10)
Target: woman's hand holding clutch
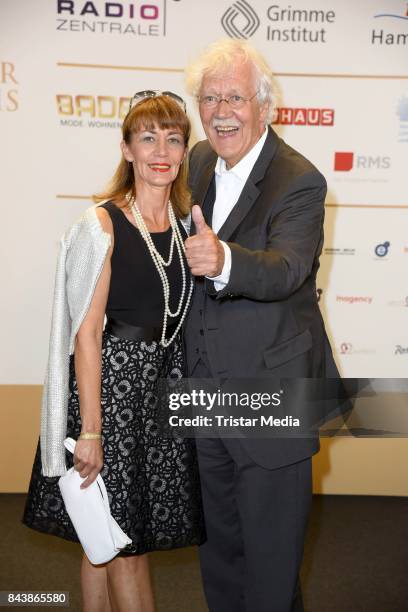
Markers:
point(88, 460)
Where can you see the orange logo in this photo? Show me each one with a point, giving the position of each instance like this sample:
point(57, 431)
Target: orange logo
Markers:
point(8, 91)
point(94, 107)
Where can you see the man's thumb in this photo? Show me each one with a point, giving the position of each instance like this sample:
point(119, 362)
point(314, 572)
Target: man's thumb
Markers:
point(198, 219)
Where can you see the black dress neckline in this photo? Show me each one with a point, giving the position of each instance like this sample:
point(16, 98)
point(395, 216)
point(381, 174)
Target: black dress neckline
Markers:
point(136, 228)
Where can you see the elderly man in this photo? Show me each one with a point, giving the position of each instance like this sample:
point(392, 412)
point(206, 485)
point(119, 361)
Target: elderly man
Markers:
point(257, 236)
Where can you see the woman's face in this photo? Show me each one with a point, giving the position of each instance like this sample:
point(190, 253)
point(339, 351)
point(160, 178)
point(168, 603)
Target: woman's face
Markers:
point(156, 155)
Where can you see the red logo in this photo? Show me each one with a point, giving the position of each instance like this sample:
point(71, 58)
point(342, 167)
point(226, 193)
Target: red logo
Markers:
point(353, 299)
point(345, 348)
point(343, 162)
point(304, 116)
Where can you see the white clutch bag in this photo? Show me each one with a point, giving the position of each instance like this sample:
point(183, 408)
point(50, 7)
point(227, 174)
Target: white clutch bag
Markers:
point(100, 535)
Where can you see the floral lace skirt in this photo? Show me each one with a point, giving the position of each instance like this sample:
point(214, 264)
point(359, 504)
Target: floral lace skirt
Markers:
point(152, 479)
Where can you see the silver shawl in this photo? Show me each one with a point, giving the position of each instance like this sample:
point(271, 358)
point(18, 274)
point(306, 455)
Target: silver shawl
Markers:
point(80, 261)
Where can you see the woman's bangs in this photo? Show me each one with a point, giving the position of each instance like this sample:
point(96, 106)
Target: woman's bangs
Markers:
point(160, 112)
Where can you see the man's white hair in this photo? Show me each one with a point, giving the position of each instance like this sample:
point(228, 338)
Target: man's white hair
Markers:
point(220, 56)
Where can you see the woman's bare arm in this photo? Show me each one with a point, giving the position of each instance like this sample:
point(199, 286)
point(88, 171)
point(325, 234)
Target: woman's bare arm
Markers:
point(88, 457)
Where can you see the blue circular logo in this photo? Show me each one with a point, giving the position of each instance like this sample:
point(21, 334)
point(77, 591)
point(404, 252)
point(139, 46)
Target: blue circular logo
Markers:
point(381, 250)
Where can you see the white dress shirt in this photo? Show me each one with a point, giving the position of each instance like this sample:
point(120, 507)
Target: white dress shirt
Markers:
point(228, 187)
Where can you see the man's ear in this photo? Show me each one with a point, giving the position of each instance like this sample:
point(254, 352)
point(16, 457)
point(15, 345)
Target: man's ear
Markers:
point(125, 152)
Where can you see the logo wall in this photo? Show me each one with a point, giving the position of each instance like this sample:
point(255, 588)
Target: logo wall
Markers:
point(344, 161)
point(392, 33)
point(240, 20)
point(339, 251)
point(354, 299)
point(347, 348)
point(91, 111)
point(97, 17)
point(381, 250)
point(8, 87)
point(288, 25)
point(361, 167)
point(304, 116)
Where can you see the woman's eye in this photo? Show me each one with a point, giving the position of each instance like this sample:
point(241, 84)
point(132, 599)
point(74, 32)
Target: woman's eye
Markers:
point(175, 140)
point(148, 138)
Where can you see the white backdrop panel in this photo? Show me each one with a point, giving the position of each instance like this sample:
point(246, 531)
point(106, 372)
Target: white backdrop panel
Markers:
point(364, 294)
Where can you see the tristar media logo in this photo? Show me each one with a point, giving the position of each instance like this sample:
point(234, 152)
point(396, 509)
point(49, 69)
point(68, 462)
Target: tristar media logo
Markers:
point(402, 112)
point(304, 116)
point(344, 161)
point(97, 17)
point(395, 20)
point(240, 20)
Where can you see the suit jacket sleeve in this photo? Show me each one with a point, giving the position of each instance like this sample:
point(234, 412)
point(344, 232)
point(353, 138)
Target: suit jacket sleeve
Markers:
point(293, 243)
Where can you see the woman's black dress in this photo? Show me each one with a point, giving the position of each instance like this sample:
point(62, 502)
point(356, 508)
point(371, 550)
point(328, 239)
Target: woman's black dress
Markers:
point(152, 479)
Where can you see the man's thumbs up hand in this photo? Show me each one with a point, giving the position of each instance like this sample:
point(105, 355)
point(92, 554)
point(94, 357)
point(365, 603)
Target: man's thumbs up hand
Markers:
point(199, 221)
point(204, 252)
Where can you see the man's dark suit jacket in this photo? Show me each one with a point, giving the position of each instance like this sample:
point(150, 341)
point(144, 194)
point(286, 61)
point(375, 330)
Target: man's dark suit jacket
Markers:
point(266, 322)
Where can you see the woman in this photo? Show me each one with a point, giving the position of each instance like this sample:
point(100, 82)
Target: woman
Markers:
point(124, 258)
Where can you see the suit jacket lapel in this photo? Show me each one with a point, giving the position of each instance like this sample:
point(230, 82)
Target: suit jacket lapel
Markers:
point(204, 193)
point(204, 181)
point(250, 191)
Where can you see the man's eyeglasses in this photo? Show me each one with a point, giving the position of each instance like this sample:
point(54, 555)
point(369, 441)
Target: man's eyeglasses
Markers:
point(153, 93)
point(235, 101)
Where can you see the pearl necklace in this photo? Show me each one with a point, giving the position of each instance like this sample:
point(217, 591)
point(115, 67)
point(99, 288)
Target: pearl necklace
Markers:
point(161, 265)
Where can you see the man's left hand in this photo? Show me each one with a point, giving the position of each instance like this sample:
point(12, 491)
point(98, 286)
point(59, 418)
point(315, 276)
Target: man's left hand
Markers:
point(204, 251)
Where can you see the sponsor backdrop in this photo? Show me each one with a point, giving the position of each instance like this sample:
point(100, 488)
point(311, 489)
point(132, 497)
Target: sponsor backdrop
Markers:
point(67, 70)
